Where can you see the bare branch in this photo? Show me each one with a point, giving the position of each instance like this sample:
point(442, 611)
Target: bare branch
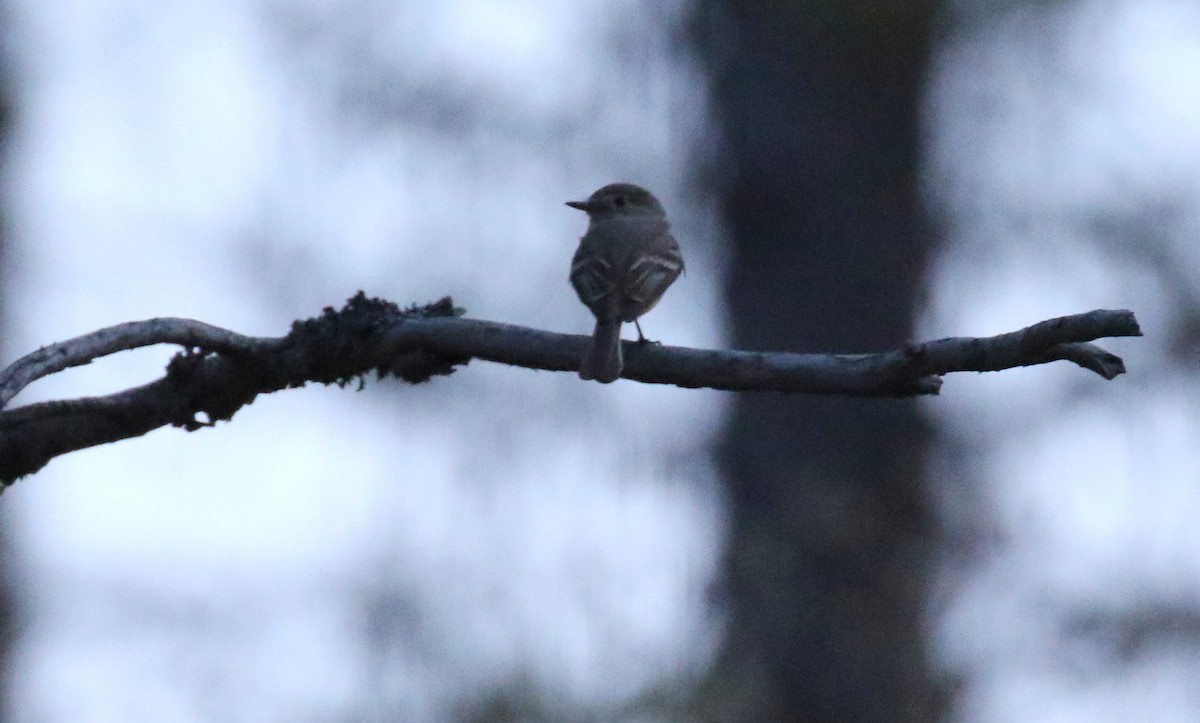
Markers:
point(1051, 340)
point(220, 371)
point(122, 337)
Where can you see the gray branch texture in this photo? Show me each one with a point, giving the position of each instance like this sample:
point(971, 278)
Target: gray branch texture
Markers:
point(218, 372)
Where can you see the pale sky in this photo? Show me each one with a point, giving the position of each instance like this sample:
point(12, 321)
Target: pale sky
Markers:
point(1046, 126)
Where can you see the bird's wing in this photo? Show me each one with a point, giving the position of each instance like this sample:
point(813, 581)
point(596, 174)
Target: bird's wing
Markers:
point(593, 279)
point(651, 271)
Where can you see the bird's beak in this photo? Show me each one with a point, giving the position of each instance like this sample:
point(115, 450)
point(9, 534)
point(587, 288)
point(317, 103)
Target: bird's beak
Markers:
point(581, 205)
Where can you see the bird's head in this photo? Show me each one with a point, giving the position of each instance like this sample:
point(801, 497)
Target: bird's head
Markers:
point(620, 199)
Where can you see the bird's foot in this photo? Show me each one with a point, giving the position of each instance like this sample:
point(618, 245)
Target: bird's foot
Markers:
point(642, 337)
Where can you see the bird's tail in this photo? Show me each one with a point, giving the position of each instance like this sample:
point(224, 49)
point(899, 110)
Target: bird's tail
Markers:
point(602, 360)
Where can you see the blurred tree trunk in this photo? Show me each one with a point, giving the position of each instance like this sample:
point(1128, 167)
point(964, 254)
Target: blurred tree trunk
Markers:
point(828, 558)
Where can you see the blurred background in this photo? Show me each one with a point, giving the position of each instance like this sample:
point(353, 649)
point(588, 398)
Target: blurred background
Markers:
point(508, 545)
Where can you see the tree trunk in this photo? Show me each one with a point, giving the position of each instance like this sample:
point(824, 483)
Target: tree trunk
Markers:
point(828, 556)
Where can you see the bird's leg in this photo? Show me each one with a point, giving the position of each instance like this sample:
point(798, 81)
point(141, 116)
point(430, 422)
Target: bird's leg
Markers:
point(642, 337)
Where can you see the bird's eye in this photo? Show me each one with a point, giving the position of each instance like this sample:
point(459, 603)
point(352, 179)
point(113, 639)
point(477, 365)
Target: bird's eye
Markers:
point(619, 201)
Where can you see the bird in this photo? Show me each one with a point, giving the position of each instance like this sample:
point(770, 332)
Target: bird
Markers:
point(624, 264)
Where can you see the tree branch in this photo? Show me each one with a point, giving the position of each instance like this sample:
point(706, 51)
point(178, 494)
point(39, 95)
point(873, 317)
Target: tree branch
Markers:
point(220, 371)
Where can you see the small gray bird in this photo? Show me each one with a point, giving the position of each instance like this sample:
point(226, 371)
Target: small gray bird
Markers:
point(624, 263)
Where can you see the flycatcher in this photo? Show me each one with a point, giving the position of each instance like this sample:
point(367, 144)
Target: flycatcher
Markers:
point(624, 263)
